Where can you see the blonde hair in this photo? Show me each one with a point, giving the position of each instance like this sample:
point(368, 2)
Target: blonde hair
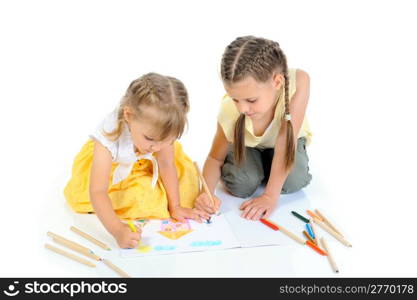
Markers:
point(166, 94)
point(259, 58)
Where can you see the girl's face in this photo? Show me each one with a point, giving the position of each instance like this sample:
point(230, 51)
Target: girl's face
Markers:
point(143, 135)
point(255, 99)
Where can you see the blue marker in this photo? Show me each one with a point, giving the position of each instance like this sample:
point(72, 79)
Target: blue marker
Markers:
point(310, 230)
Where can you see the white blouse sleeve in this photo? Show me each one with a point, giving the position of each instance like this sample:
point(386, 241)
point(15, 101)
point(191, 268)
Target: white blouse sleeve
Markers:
point(107, 125)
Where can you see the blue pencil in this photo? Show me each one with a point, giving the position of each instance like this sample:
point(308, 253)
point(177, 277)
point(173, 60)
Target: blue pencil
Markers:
point(310, 230)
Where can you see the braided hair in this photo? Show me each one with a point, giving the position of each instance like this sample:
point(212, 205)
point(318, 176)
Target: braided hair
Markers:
point(258, 58)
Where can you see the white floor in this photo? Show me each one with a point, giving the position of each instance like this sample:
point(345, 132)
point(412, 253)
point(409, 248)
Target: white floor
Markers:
point(60, 77)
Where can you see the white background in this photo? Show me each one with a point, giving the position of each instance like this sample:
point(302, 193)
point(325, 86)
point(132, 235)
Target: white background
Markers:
point(65, 64)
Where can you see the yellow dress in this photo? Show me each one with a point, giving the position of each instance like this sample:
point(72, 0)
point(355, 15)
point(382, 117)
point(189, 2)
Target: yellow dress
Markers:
point(133, 197)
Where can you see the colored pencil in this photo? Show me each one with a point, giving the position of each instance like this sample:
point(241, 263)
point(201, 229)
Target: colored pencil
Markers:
point(90, 238)
point(291, 235)
point(310, 231)
point(270, 224)
point(70, 255)
point(308, 236)
point(205, 187)
point(71, 246)
point(316, 238)
point(67, 242)
point(115, 268)
point(325, 220)
point(329, 256)
point(315, 248)
point(313, 215)
point(331, 232)
point(132, 226)
point(300, 217)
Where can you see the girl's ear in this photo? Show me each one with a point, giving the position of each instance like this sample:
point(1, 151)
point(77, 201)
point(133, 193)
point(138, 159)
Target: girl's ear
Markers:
point(277, 80)
point(127, 114)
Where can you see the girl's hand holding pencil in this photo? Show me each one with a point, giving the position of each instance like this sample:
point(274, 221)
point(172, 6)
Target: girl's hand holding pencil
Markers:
point(203, 203)
point(259, 207)
point(125, 237)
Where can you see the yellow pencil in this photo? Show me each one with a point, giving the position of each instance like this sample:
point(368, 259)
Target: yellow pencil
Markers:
point(329, 256)
point(90, 238)
point(131, 225)
point(115, 268)
point(70, 255)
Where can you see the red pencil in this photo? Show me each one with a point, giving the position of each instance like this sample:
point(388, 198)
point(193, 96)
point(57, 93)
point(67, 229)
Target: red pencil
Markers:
point(315, 248)
point(270, 224)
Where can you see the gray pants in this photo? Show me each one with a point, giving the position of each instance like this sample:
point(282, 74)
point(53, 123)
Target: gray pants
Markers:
point(244, 180)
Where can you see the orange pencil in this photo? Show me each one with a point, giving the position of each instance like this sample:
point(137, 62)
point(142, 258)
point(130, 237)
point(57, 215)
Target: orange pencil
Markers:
point(315, 248)
point(313, 215)
point(270, 224)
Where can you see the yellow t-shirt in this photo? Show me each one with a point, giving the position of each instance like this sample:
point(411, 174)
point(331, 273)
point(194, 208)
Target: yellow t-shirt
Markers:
point(229, 114)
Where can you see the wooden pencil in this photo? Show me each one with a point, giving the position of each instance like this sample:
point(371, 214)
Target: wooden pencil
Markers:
point(73, 245)
point(70, 255)
point(329, 256)
point(316, 248)
point(316, 238)
point(291, 235)
point(333, 233)
point(308, 237)
point(313, 215)
point(90, 238)
point(116, 268)
point(205, 187)
point(325, 220)
point(76, 248)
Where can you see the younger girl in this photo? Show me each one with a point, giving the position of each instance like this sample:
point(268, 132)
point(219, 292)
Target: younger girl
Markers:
point(262, 131)
point(116, 173)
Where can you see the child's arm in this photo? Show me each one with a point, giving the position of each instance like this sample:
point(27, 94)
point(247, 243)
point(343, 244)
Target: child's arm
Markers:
point(212, 171)
point(263, 206)
point(168, 172)
point(99, 181)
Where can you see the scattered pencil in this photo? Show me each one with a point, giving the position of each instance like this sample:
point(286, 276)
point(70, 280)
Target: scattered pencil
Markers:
point(331, 232)
point(313, 215)
point(90, 238)
point(70, 255)
point(308, 236)
point(315, 248)
point(270, 224)
point(329, 256)
point(325, 220)
point(316, 239)
point(291, 235)
point(70, 244)
point(76, 248)
point(115, 268)
point(300, 217)
point(310, 231)
point(205, 187)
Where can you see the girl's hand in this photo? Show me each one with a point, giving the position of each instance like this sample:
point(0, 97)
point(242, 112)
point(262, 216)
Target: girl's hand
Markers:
point(203, 203)
point(125, 237)
point(181, 213)
point(259, 207)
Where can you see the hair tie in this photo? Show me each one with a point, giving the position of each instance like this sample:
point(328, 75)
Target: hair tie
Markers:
point(287, 117)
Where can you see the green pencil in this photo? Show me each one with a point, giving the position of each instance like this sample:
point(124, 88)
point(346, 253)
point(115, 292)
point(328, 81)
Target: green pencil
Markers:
point(300, 217)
